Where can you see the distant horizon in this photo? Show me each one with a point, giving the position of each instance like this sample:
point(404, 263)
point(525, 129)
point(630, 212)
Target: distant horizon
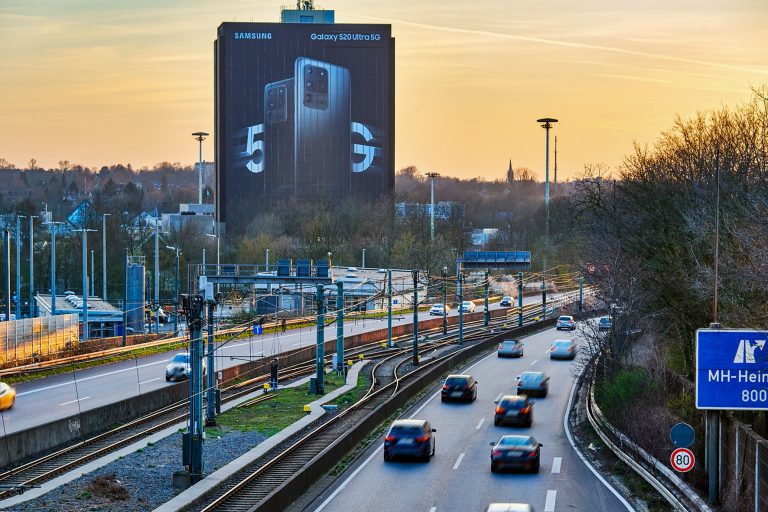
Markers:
point(131, 84)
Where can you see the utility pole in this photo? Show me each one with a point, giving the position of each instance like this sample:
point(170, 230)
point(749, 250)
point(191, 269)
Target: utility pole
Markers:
point(543, 288)
point(555, 190)
point(92, 288)
point(340, 327)
point(85, 281)
point(156, 305)
point(581, 290)
point(125, 299)
point(415, 317)
point(175, 292)
point(200, 137)
point(104, 255)
point(461, 308)
point(487, 311)
point(547, 125)
point(432, 176)
point(193, 307)
point(445, 302)
point(7, 275)
point(210, 405)
point(389, 309)
point(519, 299)
point(32, 265)
point(18, 267)
point(363, 264)
point(320, 349)
point(53, 268)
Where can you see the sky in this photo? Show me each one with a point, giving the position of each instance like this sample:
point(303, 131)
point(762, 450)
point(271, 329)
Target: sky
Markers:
point(103, 82)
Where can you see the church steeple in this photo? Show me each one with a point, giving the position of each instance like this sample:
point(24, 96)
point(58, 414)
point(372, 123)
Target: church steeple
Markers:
point(510, 173)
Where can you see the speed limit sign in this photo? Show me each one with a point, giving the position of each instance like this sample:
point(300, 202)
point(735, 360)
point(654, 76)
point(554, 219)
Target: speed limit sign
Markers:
point(682, 460)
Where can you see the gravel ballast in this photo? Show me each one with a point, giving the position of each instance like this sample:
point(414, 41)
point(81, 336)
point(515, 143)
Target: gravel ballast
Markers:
point(145, 474)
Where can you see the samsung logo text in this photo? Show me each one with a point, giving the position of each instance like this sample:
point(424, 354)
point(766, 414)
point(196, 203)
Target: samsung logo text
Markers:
point(253, 35)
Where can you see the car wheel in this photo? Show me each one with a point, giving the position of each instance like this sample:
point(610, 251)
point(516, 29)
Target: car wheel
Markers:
point(496, 422)
point(536, 466)
point(494, 469)
point(387, 457)
point(167, 378)
point(442, 399)
point(529, 422)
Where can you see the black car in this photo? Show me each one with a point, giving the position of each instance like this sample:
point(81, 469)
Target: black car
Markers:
point(533, 383)
point(410, 438)
point(514, 410)
point(516, 452)
point(459, 387)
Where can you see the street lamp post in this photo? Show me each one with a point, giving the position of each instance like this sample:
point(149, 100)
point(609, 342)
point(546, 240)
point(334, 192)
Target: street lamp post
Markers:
point(218, 256)
point(363, 263)
point(266, 259)
point(175, 292)
point(547, 123)
point(92, 288)
point(32, 265)
point(85, 281)
point(432, 176)
point(18, 266)
point(200, 137)
point(53, 267)
point(157, 276)
point(104, 255)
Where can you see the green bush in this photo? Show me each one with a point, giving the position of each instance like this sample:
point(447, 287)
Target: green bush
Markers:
point(615, 393)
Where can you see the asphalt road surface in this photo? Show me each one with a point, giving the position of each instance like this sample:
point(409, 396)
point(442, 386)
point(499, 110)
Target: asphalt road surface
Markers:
point(459, 478)
point(52, 398)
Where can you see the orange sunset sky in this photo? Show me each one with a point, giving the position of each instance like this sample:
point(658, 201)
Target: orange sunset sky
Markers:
point(101, 82)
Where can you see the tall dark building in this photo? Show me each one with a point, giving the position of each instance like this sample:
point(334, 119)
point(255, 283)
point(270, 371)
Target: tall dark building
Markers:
point(302, 111)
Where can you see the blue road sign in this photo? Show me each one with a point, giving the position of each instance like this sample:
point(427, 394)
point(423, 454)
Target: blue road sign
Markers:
point(682, 435)
point(257, 329)
point(731, 369)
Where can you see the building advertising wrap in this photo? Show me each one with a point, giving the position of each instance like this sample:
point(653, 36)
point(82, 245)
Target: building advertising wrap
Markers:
point(302, 110)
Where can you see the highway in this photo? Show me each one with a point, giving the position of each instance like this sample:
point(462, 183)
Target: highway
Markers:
point(459, 479)
point(52, 398)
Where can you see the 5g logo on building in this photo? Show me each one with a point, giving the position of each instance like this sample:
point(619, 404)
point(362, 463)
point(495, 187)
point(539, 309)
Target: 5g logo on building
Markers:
point(254, 148)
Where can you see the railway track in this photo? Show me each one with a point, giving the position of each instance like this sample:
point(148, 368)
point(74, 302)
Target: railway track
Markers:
point(384, 376)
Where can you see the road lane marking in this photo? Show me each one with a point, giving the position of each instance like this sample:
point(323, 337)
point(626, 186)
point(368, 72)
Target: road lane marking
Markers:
point(556, 464)
point(480, 424)
point(147, 381)
point(433, 509)
point(458, 461)
point(549, 506)
point(534, 362)
point(581, 455)
point(78, 400)
point(83, 379)
point(498, 397)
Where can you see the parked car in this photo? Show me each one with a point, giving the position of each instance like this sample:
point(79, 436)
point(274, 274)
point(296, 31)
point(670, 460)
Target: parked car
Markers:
point(514, 409)
point(516, 452)
point(509, 507)
point(459, 387)
point(7, 396)
point(533, 383)
point(468, 306)
point(563, 349)
point(352, 269)
point(438, 309)
point(506, 302)
point(566, 323)
point(410, 438)
point(604, 324)
point(510, 348)
point(179, 368)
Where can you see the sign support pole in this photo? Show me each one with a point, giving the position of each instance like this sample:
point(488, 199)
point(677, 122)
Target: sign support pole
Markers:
point(389, 309)
point(320, 350)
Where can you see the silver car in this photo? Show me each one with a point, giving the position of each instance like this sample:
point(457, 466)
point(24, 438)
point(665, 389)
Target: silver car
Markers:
point(533, 383)
point(563, 349)
point(178, 368)
point(566, 323)
point(510, 348)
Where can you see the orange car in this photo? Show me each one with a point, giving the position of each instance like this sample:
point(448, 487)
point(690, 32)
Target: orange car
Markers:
point(7, 396)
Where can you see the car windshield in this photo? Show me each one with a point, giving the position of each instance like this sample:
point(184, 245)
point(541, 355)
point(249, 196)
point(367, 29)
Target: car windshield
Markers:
point(509, 343)
point(4, 388)
point(466, 303)
point(455, 381)
point(516, 441)
point(605, 320)
point(179, 358)
point(531, 376)
point(562, 344)
point(565, 318)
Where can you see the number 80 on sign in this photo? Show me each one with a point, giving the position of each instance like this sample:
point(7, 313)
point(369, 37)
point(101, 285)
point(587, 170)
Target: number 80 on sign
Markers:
point(682, 460)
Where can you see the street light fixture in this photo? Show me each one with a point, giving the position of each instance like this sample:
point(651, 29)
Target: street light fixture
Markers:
point(200, 137)
point(218, 255)
point(432, 176)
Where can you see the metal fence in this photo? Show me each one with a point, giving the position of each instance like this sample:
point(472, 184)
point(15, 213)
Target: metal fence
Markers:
point(34, 338)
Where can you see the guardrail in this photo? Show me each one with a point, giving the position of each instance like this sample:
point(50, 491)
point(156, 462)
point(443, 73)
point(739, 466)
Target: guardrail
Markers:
point(678, 493)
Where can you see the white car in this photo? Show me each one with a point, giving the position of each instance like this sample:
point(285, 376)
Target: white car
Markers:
point(178, 368)
point(438, 310)
point(506, 302)
point(468, 306)
point(566, 323)
point(563, 349)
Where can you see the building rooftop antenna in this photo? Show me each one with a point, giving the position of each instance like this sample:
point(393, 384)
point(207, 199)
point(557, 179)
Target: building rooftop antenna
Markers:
point(305, 5)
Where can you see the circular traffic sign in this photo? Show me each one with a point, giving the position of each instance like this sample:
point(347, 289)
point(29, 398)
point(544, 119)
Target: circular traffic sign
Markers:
point(682, 460)
point(682, 435)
